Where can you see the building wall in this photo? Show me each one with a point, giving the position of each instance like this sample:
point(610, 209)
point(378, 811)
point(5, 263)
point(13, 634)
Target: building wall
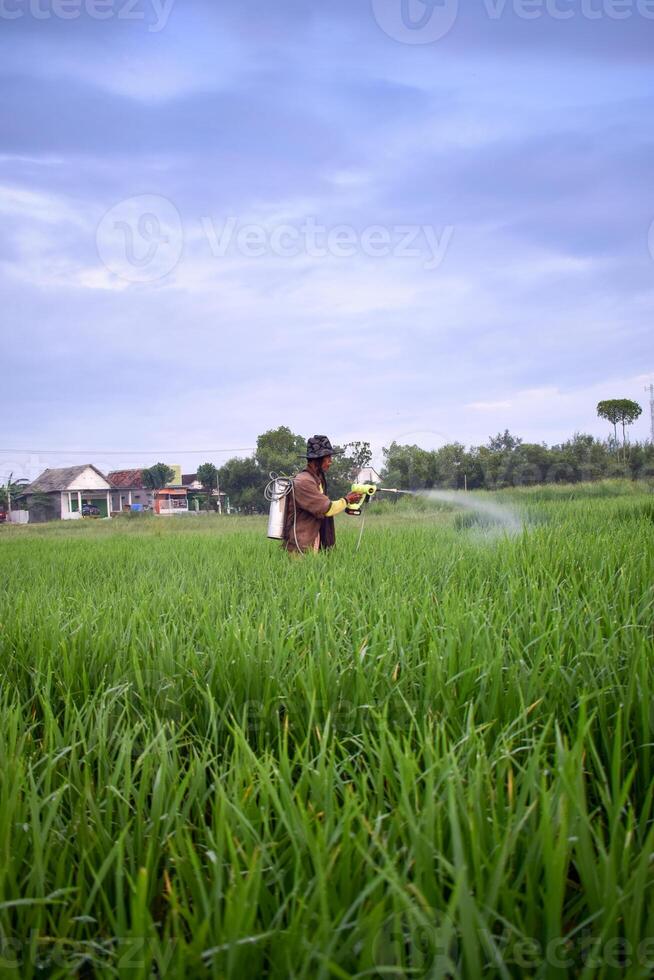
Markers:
point(166, 509)
point(89, 480)
point(96, 497)
point(168, 504)
point(65, 513)
point(119, 498)
point(142, 497)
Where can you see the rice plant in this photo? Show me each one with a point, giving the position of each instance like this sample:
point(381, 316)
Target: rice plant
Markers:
point(431, 757)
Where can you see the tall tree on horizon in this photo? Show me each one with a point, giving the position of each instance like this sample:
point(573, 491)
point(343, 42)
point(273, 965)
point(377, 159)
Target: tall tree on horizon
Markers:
point(619, 410)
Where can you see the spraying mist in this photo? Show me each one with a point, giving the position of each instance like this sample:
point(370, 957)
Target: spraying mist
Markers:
point(499, 518)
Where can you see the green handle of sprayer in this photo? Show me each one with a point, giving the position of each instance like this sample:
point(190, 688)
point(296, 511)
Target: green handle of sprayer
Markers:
point(365, 489)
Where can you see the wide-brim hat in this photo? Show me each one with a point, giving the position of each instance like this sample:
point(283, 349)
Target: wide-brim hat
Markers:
point(319, 446)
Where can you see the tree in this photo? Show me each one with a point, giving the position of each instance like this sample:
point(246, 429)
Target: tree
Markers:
point(503, 442)
point(409, 467)
point(208, 476)
point(619, 410)
point(609, 410)
point(587, 456)
point(451, 466)
point(156, 477)
point(279, 451)
point(243, 481)
point(360, 453)
point(11, 490)
point(345, 468)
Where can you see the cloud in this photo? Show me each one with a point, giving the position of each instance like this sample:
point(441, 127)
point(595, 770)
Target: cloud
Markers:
point(276, 113)
point(33, 206)
point(488, 406)
point(546, 413)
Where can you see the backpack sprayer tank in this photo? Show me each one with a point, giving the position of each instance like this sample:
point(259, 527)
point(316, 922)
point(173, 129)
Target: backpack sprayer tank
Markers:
point(277, 492)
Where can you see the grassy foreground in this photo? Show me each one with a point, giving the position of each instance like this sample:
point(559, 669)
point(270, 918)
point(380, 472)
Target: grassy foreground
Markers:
point(430, 758)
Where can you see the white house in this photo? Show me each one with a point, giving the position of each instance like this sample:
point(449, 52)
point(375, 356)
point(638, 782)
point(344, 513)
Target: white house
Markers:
point(368, 474)
point(68, 490)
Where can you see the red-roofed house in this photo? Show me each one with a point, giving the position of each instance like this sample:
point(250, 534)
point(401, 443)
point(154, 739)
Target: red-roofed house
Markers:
point(128, 493)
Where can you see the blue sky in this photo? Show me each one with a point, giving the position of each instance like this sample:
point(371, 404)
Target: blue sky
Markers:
point(479, 175)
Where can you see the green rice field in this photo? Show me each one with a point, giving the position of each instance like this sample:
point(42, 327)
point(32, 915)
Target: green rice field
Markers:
point(431, 757)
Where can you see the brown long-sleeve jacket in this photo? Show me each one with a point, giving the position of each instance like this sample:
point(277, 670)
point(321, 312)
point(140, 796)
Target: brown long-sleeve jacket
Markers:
point(306, 514)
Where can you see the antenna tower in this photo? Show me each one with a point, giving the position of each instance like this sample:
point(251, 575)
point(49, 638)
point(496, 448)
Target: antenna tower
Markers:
point(650, 388)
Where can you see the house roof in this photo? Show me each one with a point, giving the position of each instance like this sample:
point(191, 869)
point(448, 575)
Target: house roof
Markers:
point(60, 479)
point(188, 478)
point(368, 474)
point(126, 479)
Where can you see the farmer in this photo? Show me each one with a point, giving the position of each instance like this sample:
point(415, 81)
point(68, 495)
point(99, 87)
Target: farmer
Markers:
point(309, 523)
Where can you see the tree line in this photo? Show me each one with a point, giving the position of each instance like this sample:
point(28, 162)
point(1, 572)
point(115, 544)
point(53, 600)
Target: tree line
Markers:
point(279, 451)
point(504, 461)
point(507, 461)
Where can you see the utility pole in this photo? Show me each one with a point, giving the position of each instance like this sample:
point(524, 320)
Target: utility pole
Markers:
point(650, 388)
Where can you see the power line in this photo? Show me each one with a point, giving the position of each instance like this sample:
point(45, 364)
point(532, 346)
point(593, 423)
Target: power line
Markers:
point(126, 452)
